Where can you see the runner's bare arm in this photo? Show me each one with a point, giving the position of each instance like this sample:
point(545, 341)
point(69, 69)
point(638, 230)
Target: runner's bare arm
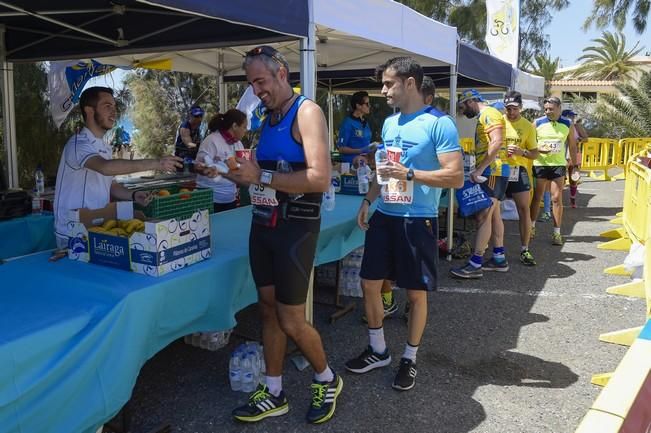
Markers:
point(450, 175)
point(186, 138)
point(571, 139)
point(114, 167)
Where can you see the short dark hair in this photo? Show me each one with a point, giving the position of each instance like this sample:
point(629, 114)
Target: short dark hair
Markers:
point(271, 57)
point(428, 87)
point(357, 99)
point(222, 121)
point(90, 96)
point(405, 67)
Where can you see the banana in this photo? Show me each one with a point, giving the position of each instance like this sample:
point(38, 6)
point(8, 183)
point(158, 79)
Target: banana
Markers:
point(123, 224)
point(110, 224)
point(133, 225)
point(118, 231)
point(97, 229)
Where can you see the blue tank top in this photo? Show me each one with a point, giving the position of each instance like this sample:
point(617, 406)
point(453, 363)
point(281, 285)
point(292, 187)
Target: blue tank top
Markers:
point(277, 143)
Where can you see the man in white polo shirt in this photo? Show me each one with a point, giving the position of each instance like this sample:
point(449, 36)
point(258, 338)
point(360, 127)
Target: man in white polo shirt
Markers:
point(86, 170)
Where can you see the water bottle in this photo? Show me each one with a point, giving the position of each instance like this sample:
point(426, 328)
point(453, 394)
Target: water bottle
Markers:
point(248, 384)
point(36, 203)
point(283, 166)
point(40, 180)
point(335, 180)
point(362, 177)
point(329, 199)
point(235, 371)
point(381, 158)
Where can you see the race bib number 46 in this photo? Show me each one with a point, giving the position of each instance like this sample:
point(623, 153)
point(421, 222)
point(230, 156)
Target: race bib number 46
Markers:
point(398, 191)
point(262, 195)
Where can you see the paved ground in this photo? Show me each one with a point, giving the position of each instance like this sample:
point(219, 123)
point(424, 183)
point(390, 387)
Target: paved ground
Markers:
point(512, 353)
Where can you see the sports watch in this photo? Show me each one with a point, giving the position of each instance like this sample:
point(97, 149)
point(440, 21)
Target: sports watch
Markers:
point(266, 177)
point(410, 174)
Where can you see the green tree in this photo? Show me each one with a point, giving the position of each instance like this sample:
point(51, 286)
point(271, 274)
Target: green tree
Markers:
point(615, 12)
point(547, 68)
point(160, 100)
point(627, 114)
point(608, 59)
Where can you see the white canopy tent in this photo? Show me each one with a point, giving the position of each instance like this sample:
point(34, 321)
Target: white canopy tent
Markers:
point(531, 86)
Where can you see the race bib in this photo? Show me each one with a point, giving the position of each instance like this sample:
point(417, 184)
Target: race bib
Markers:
point(514, 176)
point(262, 195)
point(398, 191)
point(551, 146)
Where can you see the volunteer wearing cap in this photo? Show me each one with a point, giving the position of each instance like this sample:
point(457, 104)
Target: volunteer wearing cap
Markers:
point(188, 137)
point(554, 133)
point(522, 150)
point(86, 170)
point(491, 154)
point(579, 134)
point(354, 132)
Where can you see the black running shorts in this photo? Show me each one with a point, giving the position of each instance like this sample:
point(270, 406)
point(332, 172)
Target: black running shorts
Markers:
point(283, 257)
point(521, 185)
point(403, 248)
point(495, 187)
point(549, 172)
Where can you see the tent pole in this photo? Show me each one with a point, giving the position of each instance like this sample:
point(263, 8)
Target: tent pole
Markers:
point(223, 96)
point(331, 117)
point(453, 113)
point(308, 59)
point(8, 113)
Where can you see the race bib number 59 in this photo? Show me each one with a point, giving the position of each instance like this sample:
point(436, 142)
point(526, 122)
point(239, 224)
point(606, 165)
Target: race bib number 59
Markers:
point(263, 195)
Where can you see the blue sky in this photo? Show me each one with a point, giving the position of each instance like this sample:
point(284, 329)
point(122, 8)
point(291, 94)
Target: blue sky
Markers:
point(568, 39)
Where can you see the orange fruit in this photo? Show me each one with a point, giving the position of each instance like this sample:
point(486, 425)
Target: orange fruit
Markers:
point(163, 193)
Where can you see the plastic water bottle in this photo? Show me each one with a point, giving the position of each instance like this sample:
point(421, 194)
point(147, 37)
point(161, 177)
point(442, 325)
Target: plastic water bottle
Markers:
point(235, 371)
point(381, 158)
point(335, 180)
point(39, 178)
point(576, 175)
point(248, 383)
point(329, 199)
point(37, 208)
point(362, 177)
point(283, 166)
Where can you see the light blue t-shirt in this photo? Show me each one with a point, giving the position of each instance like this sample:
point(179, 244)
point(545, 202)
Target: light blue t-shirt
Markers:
point(422, 136)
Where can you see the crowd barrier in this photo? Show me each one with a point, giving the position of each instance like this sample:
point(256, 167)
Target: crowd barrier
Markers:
point(623, 405)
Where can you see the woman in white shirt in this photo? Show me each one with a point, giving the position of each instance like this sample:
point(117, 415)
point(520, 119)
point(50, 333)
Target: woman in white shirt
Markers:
point(227, 129)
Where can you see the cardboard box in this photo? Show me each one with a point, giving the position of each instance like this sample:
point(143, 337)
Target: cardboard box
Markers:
point(349, 185)
point(164, 246)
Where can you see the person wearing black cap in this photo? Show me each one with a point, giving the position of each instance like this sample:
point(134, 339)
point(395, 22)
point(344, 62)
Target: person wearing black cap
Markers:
point(188, 138)
point(522, 148)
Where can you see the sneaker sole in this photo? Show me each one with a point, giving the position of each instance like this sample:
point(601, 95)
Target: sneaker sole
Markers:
point(528, 263)
point(331, 412)
point(466, 276)
point(282, 410)
point(379, 364)
point(505, 269)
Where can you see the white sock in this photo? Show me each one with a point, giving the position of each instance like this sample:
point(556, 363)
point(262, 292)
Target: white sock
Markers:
point(533, 224)
point(524, 248)
point(275, 384)
point(326, 375)
point(376, 337)
point(557, 230)
point(410, 352)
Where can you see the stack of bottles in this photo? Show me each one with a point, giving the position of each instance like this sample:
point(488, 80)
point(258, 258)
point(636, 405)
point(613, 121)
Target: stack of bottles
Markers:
point(209, 340)
point(349, 282)
point(246, 368)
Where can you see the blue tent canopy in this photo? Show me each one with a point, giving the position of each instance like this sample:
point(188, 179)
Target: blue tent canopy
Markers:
point(48, 30)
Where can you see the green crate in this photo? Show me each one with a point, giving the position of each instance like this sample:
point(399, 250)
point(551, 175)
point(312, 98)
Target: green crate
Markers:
point(178, 204)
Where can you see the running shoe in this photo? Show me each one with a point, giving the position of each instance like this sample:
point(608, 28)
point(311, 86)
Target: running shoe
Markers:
point(527, 258)
point(324, 400)
point(545, 217)
point(390, 307)
point(368, 361)
point(557, 239)
point(494, 266)
point(262, 404)
point(406, 377)
point(467, 272)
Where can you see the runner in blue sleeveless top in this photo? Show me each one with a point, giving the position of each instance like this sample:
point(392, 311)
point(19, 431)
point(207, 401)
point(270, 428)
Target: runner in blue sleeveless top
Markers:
point(284, 233)
point(402, 236)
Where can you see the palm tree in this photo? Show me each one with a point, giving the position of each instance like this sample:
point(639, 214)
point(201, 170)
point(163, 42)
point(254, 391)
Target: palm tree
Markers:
point(547, 68)
point(606, 12)
point(609, 59)
point(627, 114)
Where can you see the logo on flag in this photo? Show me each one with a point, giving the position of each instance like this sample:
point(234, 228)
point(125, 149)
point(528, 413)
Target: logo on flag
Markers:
point(503, 29)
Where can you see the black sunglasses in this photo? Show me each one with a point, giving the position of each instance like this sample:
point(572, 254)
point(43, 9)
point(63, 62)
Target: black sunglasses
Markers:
point(552, 100)
point(266, 51)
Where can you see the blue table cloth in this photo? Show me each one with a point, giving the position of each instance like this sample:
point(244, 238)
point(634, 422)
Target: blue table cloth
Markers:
point(73, 336)
point(26, 235)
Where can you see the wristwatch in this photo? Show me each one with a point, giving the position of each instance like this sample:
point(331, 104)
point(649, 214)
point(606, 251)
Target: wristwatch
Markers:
point(525, 153)
point(410, 174)
point(266, 177)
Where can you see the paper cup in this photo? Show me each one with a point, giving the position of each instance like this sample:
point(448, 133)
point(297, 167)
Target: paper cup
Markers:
point(345, 167)
point(394, 153)
point(244, 154)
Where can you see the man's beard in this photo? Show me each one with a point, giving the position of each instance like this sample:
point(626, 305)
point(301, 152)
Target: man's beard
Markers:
point(98, 121)
point(469, 113)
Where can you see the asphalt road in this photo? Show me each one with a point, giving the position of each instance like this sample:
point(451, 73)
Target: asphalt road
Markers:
point(512, 353)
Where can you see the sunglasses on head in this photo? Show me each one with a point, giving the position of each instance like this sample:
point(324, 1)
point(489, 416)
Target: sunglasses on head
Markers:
point(553, 100)
point(266, 51)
